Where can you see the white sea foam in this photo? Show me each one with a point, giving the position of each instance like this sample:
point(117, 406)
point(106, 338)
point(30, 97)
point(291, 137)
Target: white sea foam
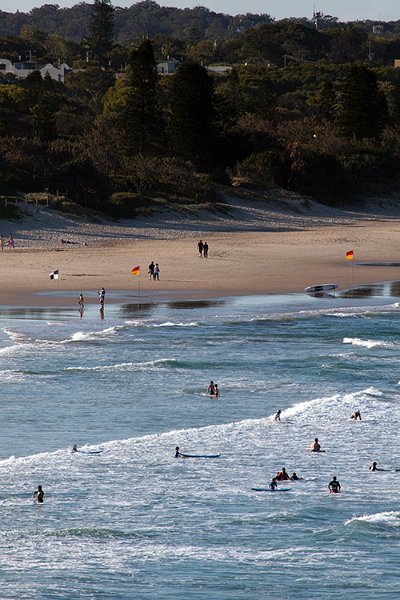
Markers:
point(174, 324)
point(82, 336)
point(388, 518)
point(369, 343)
point(151, 364)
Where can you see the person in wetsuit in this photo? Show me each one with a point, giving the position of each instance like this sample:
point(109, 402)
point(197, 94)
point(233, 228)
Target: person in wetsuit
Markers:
point(273, 485)
point(38, 495)
point(334, 486)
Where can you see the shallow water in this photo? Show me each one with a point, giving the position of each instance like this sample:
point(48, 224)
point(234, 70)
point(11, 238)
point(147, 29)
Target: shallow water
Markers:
point(133, 522)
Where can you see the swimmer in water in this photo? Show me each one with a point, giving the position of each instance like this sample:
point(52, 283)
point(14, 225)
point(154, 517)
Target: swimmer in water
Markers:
point(334, 486)
point(315, 446)
point(38, 495)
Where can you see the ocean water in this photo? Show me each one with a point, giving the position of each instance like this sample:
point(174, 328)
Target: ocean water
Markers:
point(133, 521)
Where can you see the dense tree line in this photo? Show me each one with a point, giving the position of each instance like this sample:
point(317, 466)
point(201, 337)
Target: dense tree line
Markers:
point(303, 109)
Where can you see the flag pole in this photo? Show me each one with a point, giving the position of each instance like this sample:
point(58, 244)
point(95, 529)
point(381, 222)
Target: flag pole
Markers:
point(139, 294)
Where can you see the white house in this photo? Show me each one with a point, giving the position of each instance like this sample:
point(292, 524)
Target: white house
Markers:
point(23, 69)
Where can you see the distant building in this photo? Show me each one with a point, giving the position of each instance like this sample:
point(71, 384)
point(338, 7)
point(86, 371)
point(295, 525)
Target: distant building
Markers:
point(23, 69)
point(167, 67)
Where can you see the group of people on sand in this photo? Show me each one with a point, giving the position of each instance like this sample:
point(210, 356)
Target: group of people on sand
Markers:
point(203, 249)
point(154, 271)
point(10, 242)
point(213, 389)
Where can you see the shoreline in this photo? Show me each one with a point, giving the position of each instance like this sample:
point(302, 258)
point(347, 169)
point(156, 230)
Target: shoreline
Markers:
point(268, 250)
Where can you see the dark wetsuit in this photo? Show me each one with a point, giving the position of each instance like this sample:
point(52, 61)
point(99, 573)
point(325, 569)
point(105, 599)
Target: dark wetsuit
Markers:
point(39, 496)
point(334, 486)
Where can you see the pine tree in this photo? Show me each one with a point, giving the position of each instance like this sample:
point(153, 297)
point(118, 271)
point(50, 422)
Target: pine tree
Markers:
point(100, 39)
point(362, 110)
point(143, 124)
point(193, 114)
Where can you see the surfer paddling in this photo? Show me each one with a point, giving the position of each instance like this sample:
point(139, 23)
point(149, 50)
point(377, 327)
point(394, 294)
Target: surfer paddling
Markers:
point(374, 467)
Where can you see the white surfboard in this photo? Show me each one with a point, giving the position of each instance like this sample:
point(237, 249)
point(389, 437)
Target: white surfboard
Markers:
point(321, 287)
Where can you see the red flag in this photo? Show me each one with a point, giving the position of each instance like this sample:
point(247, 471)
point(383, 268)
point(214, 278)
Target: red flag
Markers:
point(350, 255)
point(136, 270)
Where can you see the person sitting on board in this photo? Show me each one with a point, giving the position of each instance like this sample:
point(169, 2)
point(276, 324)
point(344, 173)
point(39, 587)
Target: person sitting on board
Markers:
point(177, 453)
point(216, 390)
point(273, 485)
point(334, 486)
point(211, 389)
point(315, 446)
point(38, 495)
point(282, 475)
point(74, 448)
point(294, 477)
point(374, 467)
point(278, 416)
point(356, 415)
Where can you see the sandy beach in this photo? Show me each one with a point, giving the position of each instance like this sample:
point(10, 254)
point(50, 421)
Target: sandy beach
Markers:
point(264, 244)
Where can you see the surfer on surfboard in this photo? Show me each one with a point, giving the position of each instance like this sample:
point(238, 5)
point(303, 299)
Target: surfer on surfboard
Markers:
point(316, 446)
point(273, 485)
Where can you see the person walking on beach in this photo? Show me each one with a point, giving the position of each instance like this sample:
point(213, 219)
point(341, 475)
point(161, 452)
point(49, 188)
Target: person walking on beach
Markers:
point(38, 495)
point(334, 486)
point(205, 250)
point(102, 297)
point(10, 242)
point(200, 247)
point(151, 270)
point(156, 272)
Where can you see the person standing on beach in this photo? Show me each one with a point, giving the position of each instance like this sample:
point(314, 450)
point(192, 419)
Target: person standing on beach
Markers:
point(151, 270)
point(10, 242)
point(200, 247)
point(2, 242)
point(38, 495)
point(205, 250)
point(156, 272)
